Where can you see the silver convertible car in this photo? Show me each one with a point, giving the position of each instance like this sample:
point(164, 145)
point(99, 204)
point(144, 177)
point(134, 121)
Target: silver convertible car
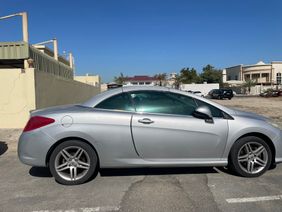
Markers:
point(147, 127)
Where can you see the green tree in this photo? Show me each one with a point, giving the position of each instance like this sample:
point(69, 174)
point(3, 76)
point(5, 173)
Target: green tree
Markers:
point(120, 79)
point(161, 78)
point(211, 75)
point(188, 76)
point(177, 81)
point(249, 84)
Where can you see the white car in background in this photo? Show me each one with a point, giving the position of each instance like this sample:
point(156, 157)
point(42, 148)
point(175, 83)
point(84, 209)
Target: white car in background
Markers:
point(198, 93)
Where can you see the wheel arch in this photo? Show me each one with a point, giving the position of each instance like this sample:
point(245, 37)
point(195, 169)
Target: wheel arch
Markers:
point(263, 137)
point(51, 149)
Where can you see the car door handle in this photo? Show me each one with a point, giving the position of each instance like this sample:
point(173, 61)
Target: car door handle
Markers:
point(145, 121)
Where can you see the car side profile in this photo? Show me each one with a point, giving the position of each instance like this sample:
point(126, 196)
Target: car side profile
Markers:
point(147, 127)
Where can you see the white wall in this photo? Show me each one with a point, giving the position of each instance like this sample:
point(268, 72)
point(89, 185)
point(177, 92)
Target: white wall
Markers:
point(204, 88)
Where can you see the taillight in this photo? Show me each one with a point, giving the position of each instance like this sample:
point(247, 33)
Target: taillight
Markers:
point(36, 122)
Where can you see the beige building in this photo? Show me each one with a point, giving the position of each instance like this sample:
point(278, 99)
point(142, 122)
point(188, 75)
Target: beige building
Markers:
point(140, 80)
point(262, 73)
point(32, 78)
point(94, 80)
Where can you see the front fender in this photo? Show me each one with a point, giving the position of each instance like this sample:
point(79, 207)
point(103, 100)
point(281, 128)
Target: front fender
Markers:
point(243, 126)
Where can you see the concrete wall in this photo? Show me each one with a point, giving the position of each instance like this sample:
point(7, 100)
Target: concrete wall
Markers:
point(17, 97)
point(51, 90)
point(22, 91)
point(204, 88)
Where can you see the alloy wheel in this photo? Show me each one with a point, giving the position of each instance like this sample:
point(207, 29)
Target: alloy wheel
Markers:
point(72, 163)
point(253, 157)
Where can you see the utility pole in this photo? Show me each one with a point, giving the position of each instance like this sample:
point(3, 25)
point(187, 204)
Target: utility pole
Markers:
point(71, 60)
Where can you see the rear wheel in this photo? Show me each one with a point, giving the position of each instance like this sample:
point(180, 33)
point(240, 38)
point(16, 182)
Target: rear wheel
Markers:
point(250, 157)
point(73, 162)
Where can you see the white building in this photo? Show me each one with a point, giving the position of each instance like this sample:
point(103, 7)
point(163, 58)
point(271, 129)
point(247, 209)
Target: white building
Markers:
point(170, 81)
point(262, 73)
point(140, 80)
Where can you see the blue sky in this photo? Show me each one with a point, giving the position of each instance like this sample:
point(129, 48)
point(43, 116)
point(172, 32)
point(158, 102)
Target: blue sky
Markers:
point(145, 37)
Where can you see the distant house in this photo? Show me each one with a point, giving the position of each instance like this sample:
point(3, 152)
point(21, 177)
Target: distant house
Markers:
point(140, 80)
point(262, 73)
point(94, 80)
point(266, 75)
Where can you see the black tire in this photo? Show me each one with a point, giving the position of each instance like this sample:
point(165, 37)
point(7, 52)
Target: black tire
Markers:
point(88, 173)
point(236, 166)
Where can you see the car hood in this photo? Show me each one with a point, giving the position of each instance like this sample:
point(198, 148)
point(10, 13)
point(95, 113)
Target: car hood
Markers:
point(249, 115)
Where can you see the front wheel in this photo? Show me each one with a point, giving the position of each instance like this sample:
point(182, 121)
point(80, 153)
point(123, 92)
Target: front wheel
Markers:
point(73, 162)
point(250, 157)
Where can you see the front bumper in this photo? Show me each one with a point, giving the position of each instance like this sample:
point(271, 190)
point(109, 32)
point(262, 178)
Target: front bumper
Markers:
point(33, 147)
point(278, 147)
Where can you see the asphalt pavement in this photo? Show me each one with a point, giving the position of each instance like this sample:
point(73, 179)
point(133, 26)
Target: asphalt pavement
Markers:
point(24, 188)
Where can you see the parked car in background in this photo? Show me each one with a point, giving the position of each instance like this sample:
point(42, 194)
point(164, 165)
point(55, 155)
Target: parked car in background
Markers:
point(271, 93)
point(222, 93)
point(198, 93)
point(147, 127)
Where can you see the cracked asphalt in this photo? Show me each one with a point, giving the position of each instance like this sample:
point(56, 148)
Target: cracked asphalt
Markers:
point(24, 188)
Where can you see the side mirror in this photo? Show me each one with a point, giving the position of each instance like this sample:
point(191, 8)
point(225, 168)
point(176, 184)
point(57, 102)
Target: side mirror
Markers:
point(203, 112)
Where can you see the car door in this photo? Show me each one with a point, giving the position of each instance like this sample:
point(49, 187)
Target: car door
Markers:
point(163, 128)
point(110, 127)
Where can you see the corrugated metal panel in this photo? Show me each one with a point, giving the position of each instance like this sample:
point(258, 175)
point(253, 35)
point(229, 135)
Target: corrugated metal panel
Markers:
point(44, 62)
point(13, 50)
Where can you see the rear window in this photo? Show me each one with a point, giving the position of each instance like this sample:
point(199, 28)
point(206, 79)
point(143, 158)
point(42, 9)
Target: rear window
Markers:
point(118, 102)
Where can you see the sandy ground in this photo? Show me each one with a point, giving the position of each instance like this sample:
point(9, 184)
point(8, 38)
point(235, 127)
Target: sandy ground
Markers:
point(269, 107)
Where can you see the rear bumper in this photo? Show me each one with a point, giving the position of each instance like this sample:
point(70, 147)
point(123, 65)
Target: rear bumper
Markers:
point(33, 147)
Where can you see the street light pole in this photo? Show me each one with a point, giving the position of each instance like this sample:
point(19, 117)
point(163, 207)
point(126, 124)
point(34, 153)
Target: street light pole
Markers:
point(24, 23)
point(55, 46)
point(24, 28)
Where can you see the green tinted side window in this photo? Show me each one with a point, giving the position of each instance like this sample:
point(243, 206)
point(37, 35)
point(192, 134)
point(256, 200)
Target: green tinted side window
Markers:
point(162, 102)
point(117, 102)
point(215, 111)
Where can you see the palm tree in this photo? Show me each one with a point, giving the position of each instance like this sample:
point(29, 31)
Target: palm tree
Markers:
point(160, 78)
point(249, 84)
point(120, 79)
